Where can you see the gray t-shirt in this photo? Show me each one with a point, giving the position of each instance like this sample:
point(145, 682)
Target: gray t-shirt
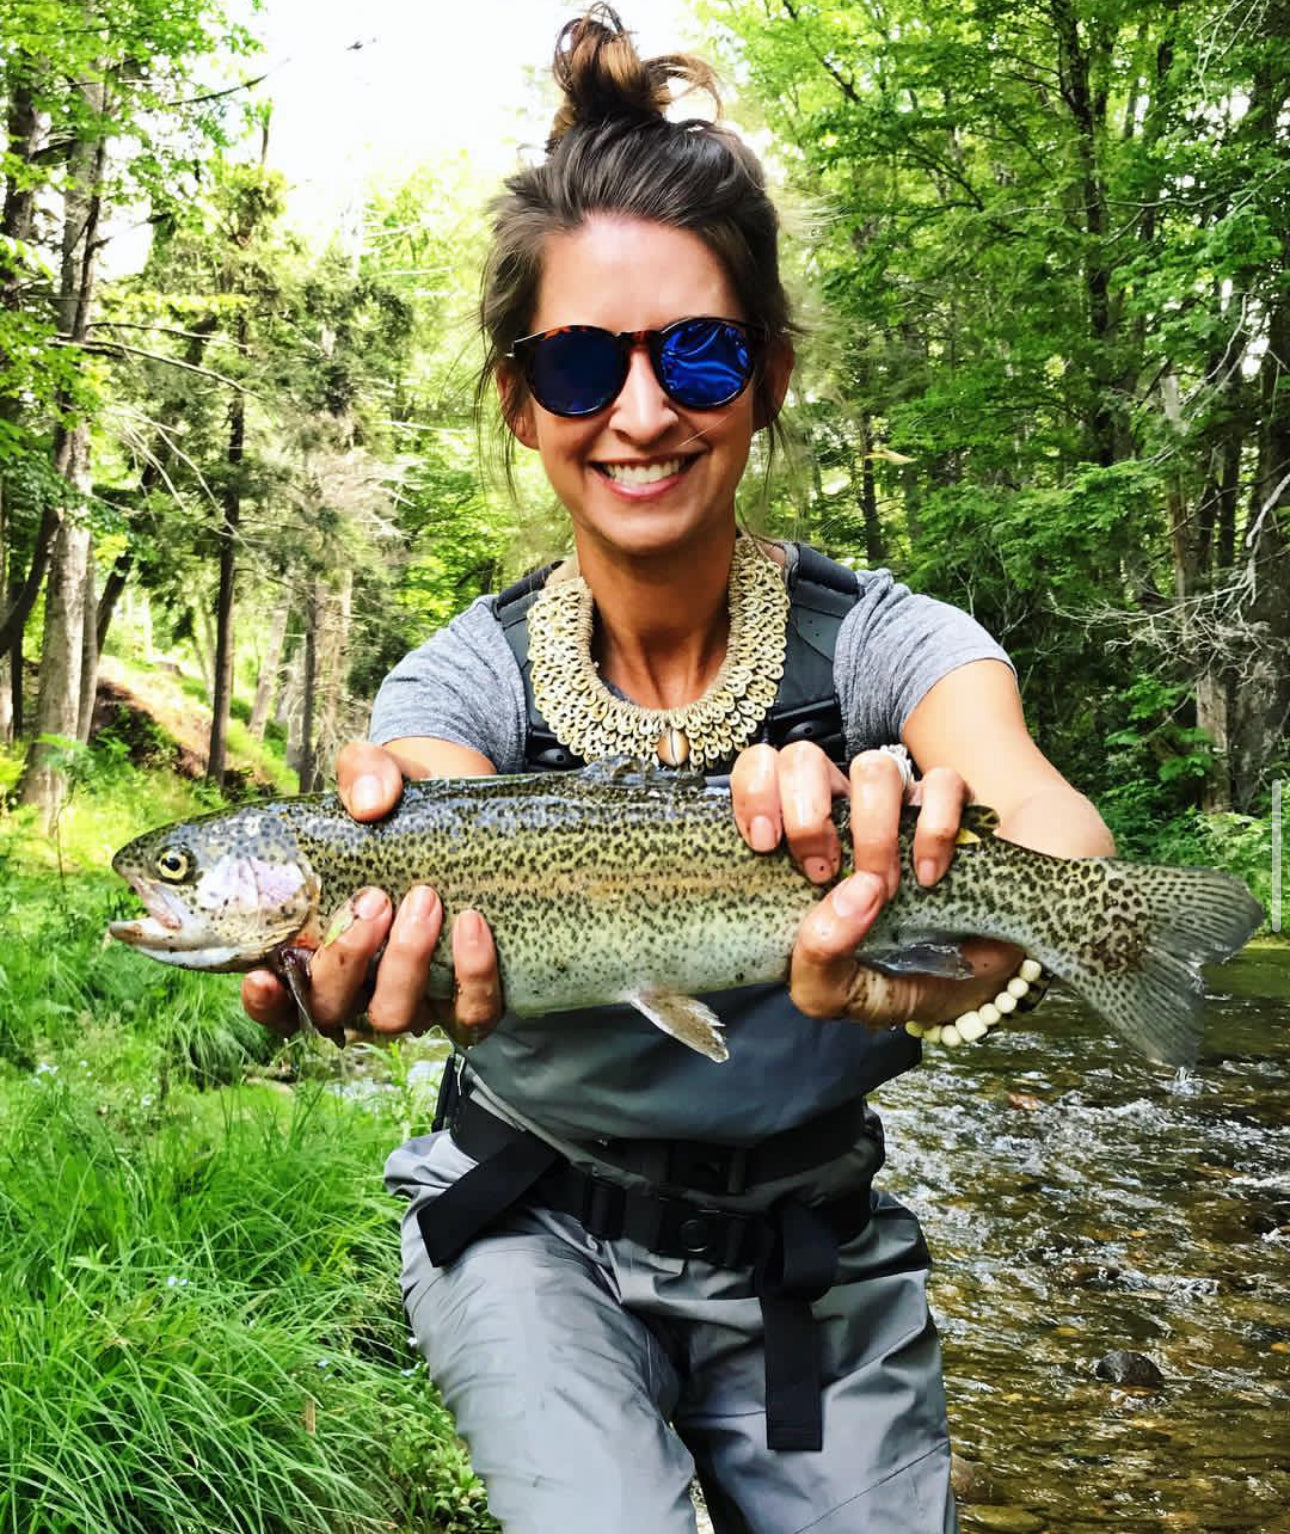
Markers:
point(609, 1072)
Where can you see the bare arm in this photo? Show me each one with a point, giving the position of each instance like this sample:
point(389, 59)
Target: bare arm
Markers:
point(972, 721)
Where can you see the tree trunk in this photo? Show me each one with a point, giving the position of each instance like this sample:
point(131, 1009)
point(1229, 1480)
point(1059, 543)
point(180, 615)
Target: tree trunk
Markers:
point(89, 654)
point(873, 540)
point(112, 589)
point(63, 653)
point(267, 684)
point(58, 707)
point(339, 614)
point(17, 219)
point(15, 673)
point(223, 664)
point(308, 756)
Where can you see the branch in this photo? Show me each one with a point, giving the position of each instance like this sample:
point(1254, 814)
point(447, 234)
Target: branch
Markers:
point(839, 79)
point(242, 85)
point(119, 348)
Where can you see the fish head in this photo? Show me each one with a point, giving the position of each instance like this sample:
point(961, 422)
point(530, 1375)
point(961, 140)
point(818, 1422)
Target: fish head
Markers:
point(222, 892)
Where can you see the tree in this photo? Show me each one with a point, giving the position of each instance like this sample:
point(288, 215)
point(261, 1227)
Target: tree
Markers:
point(1052, 276)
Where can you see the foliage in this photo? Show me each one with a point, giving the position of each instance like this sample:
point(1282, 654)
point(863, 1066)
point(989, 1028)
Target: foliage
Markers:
point(1047, 280)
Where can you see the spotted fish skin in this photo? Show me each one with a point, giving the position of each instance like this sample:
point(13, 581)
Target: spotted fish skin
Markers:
point(617, 883)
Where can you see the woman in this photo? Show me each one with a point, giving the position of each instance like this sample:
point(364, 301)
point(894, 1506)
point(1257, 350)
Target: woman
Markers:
point(614, 1238)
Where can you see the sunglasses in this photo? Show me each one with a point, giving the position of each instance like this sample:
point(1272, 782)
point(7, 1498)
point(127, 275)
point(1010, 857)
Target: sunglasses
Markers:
point(574, 370)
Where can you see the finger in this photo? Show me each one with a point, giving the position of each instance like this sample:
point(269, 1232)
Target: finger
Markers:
point(267, 1001)
point(754, 795)
point(404, 973)
point(822, 974)
point(474, 962)
point(877, 794)
point(944, 793)
point(368, 779)
point(808, 783)
point(338, 973)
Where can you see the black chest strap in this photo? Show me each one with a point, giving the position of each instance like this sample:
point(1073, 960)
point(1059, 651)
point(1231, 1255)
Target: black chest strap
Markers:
point(821, 594)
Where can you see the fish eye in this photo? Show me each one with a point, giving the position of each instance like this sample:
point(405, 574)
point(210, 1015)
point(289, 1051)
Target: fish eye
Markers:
point(173, 865)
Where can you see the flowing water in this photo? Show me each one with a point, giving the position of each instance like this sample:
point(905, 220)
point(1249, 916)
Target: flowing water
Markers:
point(1077, 1200)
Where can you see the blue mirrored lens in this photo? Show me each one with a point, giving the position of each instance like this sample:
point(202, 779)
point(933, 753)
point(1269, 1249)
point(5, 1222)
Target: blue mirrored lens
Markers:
point(576, 372)
point(704, 363)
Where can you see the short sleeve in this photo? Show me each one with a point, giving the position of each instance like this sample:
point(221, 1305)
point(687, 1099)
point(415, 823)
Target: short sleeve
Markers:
point(893, 647)
point(463, 685)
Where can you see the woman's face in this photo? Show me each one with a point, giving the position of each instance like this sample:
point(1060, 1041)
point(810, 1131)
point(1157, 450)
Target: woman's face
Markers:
point(629, 274)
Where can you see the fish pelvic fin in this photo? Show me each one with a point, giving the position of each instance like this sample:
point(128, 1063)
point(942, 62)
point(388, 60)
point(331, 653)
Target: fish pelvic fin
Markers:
point(686, 1019)
point(1141, 967)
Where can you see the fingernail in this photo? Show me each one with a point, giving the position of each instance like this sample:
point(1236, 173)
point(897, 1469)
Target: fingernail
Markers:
point(927, 870)
point(366, 794)
point(857, 895)
point(369, 903)
point(818, 870)
point(418, 903)
point(762, 832)
point(470, 925)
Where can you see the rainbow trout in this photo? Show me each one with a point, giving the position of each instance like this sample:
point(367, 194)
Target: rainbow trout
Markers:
point(625, 884)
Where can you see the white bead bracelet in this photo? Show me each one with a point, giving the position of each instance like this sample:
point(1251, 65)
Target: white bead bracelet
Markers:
point(1023, 992)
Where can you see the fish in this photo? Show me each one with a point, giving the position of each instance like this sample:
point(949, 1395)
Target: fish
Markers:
point(625, 883)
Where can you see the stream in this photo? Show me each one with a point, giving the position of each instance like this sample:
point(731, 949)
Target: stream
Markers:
point(1078, 1199)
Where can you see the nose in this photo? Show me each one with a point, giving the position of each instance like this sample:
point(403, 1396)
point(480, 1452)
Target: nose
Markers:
point(642, 411)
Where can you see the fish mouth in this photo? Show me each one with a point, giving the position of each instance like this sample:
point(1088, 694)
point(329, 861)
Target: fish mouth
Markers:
point(169, 932)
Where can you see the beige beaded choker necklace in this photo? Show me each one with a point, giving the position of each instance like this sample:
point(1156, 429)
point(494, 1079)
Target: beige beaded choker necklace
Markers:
point(592, 722)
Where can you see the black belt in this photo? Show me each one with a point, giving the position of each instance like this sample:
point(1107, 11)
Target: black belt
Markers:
point(791, 1247)
point(695, 1164)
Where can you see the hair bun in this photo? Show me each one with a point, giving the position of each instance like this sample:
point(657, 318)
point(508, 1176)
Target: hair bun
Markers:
point(603, 77)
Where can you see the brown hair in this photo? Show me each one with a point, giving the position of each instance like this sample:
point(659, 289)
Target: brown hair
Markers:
point(613, 150)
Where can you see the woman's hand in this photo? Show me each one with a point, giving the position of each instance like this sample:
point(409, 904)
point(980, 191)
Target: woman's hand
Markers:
point(789, 795)
point(340, 989)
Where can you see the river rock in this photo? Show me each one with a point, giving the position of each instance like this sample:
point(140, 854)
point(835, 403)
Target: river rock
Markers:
point(1124, 1368)
point(971, 1481)
point(1007, 1520)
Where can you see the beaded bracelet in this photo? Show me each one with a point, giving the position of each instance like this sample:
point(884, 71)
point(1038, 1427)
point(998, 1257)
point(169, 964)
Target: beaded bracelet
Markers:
point(1023, 993)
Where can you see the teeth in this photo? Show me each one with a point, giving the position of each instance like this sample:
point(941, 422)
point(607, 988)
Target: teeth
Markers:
point(643, 473)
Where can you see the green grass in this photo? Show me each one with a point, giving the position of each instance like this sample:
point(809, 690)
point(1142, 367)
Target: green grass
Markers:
point(202, 1331)
point(202, 1328)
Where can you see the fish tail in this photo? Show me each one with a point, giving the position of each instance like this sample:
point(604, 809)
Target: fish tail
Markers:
point(1140, 968)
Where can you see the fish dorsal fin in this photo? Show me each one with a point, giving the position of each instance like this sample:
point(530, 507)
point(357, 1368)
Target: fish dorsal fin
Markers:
point(638, 772)
point(978, 823)
point(685, 1019)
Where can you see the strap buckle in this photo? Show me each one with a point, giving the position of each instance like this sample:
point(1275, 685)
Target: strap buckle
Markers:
point(601, 1206)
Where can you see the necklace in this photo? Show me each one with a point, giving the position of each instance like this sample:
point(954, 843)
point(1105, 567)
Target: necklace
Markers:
point(594, 723)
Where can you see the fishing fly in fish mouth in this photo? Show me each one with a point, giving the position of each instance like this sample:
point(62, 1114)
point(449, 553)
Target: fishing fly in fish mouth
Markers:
point(661, 798)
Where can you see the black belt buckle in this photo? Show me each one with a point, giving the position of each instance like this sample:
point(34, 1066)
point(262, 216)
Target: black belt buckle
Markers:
point(601, 1207)
point(715, 1235)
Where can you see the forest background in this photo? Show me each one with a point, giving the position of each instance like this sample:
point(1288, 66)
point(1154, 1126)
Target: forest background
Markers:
point(1041, 257)
point(1040, 252)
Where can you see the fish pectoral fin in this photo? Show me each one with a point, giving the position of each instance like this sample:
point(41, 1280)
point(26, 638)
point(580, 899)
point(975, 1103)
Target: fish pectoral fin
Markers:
point(293, 965)
point(941, 957)
point(685, 1019)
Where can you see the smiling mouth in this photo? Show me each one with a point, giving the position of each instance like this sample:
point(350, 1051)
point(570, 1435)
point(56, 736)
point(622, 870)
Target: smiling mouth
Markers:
point(646, 473)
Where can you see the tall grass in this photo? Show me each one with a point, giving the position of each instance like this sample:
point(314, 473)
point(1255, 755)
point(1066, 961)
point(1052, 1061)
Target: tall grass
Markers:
point(201, 1329)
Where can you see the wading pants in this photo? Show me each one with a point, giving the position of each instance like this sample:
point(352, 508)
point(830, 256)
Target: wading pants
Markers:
point(592, 1379)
